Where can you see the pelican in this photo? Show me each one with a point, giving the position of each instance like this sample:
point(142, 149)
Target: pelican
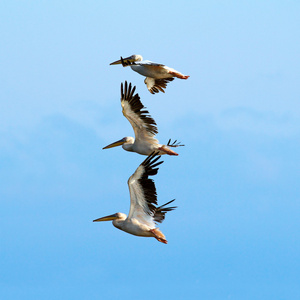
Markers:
point(144, 213)
point(157, 75)
point(143, 125)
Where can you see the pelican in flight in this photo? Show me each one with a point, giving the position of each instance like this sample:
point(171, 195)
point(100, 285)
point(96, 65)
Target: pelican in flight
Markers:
point(157, 75)
point(143, 125)
point(144, 212)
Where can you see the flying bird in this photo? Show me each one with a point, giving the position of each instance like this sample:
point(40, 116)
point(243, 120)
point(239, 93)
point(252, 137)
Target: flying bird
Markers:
point(157, 75)
point(144, 212)
point(143, 125)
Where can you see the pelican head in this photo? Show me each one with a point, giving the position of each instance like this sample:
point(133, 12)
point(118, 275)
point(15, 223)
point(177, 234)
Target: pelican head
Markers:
point(117, 219)
point(126, 143)
point(131, 59)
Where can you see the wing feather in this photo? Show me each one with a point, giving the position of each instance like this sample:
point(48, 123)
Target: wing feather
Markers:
point(161, 211)
point(142, 123)
point(156, 85)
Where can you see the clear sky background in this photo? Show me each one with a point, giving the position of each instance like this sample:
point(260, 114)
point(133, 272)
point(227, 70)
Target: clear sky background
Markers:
point(235, 233)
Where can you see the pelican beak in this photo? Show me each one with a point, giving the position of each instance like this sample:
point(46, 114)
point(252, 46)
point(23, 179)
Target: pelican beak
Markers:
point(107, 218)
point(115, 144)
point(118, 62)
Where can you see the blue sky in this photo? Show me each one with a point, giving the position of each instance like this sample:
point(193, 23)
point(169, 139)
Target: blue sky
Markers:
point(235, 233)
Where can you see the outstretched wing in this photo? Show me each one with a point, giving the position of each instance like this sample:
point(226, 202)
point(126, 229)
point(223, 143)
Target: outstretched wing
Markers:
point(156, 85)
point(142, 123)
point(143, 197)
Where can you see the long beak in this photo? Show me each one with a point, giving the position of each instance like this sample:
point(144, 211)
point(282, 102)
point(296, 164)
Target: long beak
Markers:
point(107, 218)
point(118, 62)
point(115, 144)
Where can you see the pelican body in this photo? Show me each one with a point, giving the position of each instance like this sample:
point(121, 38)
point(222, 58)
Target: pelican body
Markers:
point(143, 125)
point(144, 212)
point(157, 75)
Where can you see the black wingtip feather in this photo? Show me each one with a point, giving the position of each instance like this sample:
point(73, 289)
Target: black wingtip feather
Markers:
point(151, 159)
point(161, 211)
point(174, 144)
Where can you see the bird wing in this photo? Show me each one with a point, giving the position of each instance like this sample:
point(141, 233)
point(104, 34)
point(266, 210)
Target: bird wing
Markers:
point(156, 85)
point(149, 63)
point(143, 197)
point(142, 123)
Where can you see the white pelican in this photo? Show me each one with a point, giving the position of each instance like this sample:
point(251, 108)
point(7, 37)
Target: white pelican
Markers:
point(157, 75)
point(143, 213)
point(143, 125)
